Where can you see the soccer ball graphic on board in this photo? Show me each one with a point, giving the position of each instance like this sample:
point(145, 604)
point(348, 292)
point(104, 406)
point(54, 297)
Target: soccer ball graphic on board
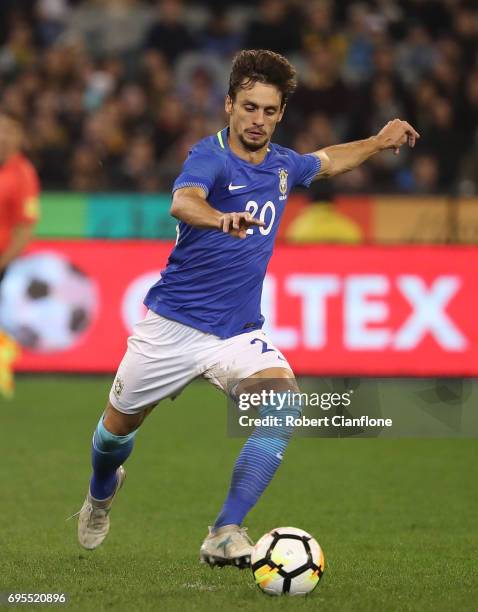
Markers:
point(46, 303)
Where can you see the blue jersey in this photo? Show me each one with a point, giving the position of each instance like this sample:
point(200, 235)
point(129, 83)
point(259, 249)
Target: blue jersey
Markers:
point(213, 281)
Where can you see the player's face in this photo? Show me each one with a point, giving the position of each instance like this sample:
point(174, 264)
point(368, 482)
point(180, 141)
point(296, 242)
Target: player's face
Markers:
point(254, 114)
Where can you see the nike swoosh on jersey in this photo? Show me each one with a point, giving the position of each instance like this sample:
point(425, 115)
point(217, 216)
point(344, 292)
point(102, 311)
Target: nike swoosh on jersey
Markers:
point(234, 187)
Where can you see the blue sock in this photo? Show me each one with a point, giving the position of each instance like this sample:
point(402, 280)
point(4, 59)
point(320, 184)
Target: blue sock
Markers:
point(108, 452)
point(256, 465)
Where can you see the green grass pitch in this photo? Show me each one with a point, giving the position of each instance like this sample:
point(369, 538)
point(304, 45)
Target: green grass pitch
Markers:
point(397, 519)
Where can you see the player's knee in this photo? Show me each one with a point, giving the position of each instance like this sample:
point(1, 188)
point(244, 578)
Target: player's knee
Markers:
point(120, 424)
point(283, 404)
point(279, 416)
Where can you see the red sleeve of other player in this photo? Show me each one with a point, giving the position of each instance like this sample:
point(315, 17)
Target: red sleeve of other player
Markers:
point(26, 204)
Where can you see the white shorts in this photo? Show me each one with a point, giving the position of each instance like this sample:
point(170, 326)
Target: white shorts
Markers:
point(163, 356)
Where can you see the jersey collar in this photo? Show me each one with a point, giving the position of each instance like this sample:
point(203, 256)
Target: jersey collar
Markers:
point(222, 138)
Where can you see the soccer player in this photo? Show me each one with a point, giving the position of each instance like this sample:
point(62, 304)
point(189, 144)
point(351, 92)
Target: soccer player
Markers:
point(204, 315)
point(19, 190)
point(19, 208)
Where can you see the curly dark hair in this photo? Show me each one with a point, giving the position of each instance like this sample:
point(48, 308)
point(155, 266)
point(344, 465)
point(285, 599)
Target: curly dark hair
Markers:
point(262, 66)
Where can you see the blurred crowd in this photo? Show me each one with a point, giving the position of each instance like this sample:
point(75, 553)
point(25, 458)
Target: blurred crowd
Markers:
point(113, 93)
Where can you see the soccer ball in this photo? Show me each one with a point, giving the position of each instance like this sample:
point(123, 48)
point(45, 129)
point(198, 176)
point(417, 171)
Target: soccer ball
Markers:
point(287, 561)
point(46, 303)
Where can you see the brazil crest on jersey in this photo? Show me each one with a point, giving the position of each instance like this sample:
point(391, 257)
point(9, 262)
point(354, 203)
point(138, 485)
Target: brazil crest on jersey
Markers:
point(213, 281)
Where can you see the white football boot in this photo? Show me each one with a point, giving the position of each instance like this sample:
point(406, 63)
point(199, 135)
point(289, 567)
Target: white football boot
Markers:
point(94, 520)
point(227, 545)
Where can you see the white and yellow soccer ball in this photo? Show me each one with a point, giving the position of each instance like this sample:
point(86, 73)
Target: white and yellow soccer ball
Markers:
point(287, 561)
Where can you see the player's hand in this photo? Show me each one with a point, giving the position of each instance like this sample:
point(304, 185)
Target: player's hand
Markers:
point(395, 134)
point(237, 223)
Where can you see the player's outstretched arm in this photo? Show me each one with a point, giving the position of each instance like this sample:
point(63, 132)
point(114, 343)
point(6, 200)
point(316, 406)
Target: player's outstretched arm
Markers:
point(190, 206)
point(340, 158)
